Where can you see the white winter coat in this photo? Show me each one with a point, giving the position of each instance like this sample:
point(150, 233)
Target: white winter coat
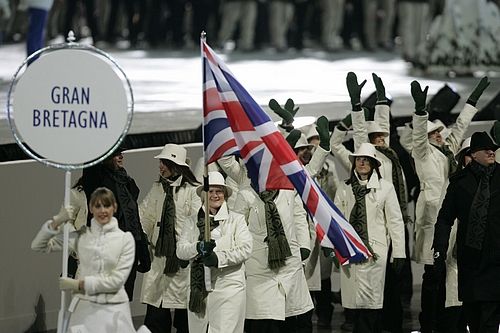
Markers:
point(157, 288)
point(275, 294)
point(432, 170)
point(227, 300)
point(106, 256)
point(363, 284)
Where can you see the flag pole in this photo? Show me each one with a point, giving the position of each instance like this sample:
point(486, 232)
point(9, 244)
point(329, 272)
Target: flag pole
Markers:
point(206, 235)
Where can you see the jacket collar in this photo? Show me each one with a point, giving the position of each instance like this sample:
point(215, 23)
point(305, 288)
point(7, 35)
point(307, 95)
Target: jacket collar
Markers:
point(373, 181)
point(222, 214)
point(110, 226)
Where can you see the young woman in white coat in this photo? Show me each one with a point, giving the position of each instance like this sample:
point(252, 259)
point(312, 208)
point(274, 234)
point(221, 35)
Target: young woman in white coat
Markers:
point(106, 254)
point(371, 206)
point(171, 198)
point(217, 295)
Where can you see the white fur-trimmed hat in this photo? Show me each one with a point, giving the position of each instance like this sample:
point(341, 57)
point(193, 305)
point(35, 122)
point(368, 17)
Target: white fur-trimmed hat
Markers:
point(174, 153)
point(365, 149)
point(215, 178)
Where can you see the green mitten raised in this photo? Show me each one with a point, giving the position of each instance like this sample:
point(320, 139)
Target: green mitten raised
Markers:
point(478, 91)
point(323, 132)
point(419, 97)
point(354, 90)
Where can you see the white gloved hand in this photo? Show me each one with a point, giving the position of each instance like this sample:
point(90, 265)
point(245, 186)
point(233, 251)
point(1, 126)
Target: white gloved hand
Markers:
point(69, 284)
point(64, 215)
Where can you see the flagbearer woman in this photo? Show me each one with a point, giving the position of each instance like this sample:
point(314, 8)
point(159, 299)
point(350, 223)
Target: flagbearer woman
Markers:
point(371, 206)
point(171, 198)
point(217, 295)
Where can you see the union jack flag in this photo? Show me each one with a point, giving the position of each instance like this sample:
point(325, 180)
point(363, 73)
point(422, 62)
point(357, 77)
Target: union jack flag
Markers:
point(234, 124)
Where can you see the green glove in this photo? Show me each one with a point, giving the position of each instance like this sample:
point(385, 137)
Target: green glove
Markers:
point(345, 124)
point(478, 91)
point(398, 264)
point(287, 113)
point(324, 132)
point(183, 263)
point(354, 90)
point(419, 96)
point(204, 248)
point(327, 252)
point(495, 132)
point(304, 253)
point(211, 260)
point(293, 137)
point(379, 85)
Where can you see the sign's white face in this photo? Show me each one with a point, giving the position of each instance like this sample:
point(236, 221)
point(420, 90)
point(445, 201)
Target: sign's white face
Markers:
point(70, 106)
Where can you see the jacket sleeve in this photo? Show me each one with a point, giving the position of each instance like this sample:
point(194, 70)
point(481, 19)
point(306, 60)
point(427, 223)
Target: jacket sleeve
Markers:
point(458, 129)
point(359, 127)
point(317, 161)
point(147, 213)
point(48, 240)
point(394, 222)
point(339, 150)
point(406, 138)
point(382, 117)
point(241, 205)
point(445, 220)
point(301, 224)
point(243, 242)
point(111, 282)
point(188, 238)
point(234, 169)
point(420, 140)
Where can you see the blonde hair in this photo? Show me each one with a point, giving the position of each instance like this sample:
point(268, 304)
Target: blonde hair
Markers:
point(102, 195)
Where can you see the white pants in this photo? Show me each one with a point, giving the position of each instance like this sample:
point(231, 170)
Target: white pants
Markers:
point(413, 25)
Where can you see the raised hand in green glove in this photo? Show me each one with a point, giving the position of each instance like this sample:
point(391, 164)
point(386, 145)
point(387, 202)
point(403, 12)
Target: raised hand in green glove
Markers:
point(323, 132)
point(293, 137)
point(495, 132)
point(419, 96)
point(345, 124)
point(379, 86)
point(354, 90)
point(287, 113)
point(478, 91)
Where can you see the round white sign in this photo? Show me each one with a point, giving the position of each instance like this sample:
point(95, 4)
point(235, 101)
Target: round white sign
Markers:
point(70, 106)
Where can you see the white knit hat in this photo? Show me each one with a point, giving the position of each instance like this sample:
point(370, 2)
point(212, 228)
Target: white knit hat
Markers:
point(431, 127)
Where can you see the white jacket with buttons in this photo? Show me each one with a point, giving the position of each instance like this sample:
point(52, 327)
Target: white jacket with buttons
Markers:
point(106, 256)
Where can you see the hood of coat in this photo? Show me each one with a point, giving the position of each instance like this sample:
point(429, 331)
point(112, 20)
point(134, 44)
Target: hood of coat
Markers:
point(222, 214)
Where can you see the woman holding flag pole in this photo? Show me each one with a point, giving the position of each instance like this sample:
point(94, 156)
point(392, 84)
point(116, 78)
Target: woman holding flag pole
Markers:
point(217, 251)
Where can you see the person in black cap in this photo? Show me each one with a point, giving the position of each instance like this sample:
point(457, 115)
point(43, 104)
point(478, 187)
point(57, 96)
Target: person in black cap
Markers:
point(473, 198)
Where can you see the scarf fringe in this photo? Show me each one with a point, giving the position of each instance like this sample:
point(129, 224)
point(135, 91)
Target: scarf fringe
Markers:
point(171, 265)
point(279, 250)
point(197, 302)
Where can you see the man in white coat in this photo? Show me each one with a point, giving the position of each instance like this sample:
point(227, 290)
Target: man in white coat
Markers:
point(370, 204)
point(434, 163)
point(276, 284)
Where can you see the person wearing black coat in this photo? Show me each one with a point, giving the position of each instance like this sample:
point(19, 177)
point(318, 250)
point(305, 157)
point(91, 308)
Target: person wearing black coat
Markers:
point(473, 198)
point(111, 174)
